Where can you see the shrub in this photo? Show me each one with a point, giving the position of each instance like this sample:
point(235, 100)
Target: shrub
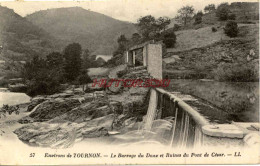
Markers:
point(176, 27)
point(231, 29)
point(198, 18)
point(223, 12)
point(214, 29)
point(232, 17)
point(237, 72)
point(41, 78)
point(169, 39)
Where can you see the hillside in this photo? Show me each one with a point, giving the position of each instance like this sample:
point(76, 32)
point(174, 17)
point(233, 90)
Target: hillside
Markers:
point(202, 53)
point(94, 31)
point(246, 12)
point(21, 39)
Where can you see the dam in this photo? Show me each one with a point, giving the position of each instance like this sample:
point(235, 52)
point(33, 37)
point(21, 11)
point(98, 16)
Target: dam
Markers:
point(188, 128)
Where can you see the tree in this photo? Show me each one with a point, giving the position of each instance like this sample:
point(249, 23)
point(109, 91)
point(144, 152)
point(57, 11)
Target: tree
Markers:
point(84, 79)
point(55, 60)
point(147, 26)
point(223, 12)
point(162, 23)
point(231, 29)
point(169, 39)
point(122, 40)
point(40, 78)
point(135, 38)
point(55, 63)
point(122, 45)
point(209, 8)
point(72, 61)
point(198, 17)
point(232, 17)
point(185, 14)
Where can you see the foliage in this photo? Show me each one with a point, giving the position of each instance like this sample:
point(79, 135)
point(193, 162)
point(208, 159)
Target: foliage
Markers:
point(209, 8)
point(151, 28)
point(198, 17)
point(176, 27)
point(40, 78)
point(72, 61)
point(136, 38)
point(231, 29)
point(162, 23)
point(169, 39)
point(185, 14)
point(146, 26)
point(213, 29)
point(88, 61)
point(237, 72)
point(84, 79)
point(55, 60)
point(8, 109)
point(223, 11)
point(122, 45)
point(232, 17)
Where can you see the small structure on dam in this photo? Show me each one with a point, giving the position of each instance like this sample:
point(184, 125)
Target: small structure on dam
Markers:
point(147, 54)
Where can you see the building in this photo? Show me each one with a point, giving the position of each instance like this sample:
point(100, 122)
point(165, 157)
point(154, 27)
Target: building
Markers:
point(147, 54)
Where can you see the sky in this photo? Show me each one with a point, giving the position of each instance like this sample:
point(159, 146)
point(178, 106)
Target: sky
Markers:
point(126, 10)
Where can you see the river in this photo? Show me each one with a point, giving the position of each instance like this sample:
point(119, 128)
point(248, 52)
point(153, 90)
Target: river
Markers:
point(12, 98)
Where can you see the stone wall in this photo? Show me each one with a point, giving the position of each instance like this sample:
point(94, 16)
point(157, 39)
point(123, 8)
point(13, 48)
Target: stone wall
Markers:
point(154, 60)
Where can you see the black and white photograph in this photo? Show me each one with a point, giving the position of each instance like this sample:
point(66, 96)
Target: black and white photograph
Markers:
point(111, 82)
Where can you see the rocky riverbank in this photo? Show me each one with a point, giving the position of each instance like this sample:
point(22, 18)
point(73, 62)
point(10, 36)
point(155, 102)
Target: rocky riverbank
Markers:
point(62, 119)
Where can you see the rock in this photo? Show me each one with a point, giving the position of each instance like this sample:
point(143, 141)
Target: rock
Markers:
point(89, 111)
point(18, 87)
point(116, 87)
point(63, 135)
point(61, 95)
point(34, 103)
point(138, 90)
point(26, 120)
point(53, 108)
point(50, 135)
point(95, 132)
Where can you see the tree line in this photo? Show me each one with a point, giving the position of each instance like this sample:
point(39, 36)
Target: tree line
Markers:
point(45, 75)
point(150, 28)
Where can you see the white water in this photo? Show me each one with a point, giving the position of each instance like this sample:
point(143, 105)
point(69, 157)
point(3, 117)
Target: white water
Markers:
point(12, 98)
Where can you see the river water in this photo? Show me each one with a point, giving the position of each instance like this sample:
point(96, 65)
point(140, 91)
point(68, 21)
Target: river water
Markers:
point(12, 98)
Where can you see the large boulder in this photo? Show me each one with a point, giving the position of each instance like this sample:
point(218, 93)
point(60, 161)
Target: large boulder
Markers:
point(53, 108)
point(64, 135)
point(34, 103)
point(89, 111)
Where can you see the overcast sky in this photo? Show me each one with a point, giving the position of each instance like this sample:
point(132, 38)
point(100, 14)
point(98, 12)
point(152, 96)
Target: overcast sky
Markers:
point(126, 10)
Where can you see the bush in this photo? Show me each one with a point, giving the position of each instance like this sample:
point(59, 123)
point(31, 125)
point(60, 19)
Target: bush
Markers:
point(214, 29)
point(223, 12)
point(237, 72)
point(176, 27)
point(41, 78)
point(169, 39)
point(232, 17)
point(231, 29)
point(198, 18)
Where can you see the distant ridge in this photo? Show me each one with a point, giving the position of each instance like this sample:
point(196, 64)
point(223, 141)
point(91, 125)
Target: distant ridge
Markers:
point(21, 39)
point(94, 31)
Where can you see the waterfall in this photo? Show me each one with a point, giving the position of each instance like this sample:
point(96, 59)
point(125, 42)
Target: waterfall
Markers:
point(151, 112)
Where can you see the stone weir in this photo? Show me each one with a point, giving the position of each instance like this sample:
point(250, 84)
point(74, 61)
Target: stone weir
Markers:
point(60, 120)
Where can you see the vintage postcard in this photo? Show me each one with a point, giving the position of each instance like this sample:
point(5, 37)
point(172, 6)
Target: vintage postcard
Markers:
point(129, 82)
